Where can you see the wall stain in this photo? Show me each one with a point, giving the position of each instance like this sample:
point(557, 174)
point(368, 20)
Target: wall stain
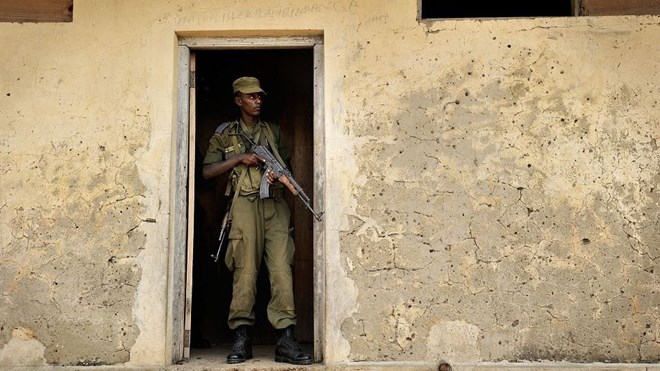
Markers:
point(491, 200)
point(70, 266)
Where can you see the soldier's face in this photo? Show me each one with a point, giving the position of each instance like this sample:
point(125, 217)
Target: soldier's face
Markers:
point(250, 103)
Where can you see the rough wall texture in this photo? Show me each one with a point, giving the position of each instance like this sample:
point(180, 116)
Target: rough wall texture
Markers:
point(492, 188)
point(71, 204)
point(71, 200)
point(507, 207)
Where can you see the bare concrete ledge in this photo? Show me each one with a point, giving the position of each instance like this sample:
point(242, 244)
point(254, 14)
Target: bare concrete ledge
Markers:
point(214, 359)
point(262, 364)
point(267, 366)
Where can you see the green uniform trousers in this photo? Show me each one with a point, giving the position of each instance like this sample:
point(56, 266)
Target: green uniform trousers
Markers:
point(260, 229)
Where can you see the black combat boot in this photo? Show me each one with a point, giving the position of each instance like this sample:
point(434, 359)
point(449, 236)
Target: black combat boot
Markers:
point(288, 350)
point(242, 349)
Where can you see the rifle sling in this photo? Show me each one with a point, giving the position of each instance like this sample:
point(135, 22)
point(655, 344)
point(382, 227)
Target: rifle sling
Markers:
point(270, 138)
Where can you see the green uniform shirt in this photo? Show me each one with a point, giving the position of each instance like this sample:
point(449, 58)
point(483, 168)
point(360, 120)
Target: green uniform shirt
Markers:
point(227, 143)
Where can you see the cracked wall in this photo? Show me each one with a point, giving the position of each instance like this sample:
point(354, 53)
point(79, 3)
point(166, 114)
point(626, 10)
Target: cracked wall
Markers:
point(506, 204)
point(72, 201)
point(71, 240)
point(69, 269)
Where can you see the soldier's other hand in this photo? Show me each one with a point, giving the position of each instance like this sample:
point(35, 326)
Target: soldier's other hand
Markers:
point(271, 176)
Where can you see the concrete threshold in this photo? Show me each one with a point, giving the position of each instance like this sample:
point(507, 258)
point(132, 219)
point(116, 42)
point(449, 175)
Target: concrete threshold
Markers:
point(215, 359)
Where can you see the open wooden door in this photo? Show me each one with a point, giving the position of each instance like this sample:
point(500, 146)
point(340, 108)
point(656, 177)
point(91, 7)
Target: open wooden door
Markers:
point(191, 213)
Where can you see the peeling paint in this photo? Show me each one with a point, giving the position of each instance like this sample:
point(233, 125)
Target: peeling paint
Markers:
point(22, 350)
point(69, 256)
point(508, 194)
point(455, 340)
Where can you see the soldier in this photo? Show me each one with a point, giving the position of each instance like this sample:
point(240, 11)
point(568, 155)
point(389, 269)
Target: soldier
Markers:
point(260, 227)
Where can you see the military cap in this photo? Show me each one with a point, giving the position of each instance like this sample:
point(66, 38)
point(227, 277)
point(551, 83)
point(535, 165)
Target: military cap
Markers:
point(247, 85)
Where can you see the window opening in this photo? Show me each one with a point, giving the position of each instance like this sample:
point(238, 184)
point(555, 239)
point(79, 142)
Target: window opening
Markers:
point(495, 9)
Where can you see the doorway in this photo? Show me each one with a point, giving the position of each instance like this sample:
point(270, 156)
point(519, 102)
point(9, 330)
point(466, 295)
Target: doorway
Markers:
point(290, 72)
point(287, 77)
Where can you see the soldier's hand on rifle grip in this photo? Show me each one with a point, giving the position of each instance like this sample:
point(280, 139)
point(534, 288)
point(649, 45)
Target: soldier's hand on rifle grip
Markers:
point(250, 159)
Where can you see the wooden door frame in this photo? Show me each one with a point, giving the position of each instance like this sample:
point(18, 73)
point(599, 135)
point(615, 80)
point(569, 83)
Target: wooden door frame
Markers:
point(177, 336)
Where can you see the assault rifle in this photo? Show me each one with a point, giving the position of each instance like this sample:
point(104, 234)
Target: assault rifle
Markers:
point(282, 174)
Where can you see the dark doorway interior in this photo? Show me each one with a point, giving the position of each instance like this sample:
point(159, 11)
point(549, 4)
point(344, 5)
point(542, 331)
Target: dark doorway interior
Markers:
point(287, 77)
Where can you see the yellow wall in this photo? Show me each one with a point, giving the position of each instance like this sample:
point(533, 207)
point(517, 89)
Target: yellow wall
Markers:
point(491, 185)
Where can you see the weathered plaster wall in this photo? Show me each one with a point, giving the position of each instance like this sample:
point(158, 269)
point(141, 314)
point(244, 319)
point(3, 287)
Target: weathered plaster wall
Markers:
point(491, 191)
point(507, 201)
point(80, 191)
